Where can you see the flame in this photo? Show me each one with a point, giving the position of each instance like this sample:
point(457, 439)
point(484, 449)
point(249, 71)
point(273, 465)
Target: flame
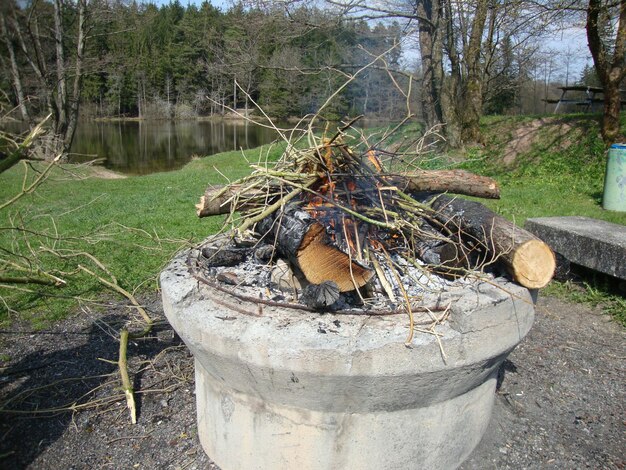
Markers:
point(328, 157)
point(374, 160)
point(375, 244)
point(347, 232)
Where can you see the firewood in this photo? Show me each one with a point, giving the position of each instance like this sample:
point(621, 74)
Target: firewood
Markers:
point(224, 255)
point(451, 181)
point(319, 296)
point(219, 199)
point(529, 260)
point(436, 250)
point(304, 242)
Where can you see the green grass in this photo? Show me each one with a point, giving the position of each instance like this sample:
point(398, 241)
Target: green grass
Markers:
point(560, 174)
point(595, 290)
point(132, 225)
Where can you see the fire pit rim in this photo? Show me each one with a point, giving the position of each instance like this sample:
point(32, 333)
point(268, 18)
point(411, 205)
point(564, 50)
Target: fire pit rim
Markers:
point(226, 341)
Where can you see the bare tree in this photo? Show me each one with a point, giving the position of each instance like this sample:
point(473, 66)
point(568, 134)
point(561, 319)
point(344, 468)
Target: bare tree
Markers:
point(59, 80)
point(458, 41)
point(15, 71)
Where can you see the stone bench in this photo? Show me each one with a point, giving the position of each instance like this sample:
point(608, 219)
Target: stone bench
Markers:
point(591, 243)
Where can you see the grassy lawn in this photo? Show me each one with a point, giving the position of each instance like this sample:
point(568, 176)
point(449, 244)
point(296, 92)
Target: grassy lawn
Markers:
point(560, 173)
point(134, 225)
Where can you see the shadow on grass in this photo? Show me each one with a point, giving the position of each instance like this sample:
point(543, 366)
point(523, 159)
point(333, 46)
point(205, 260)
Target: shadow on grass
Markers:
point(597, 197)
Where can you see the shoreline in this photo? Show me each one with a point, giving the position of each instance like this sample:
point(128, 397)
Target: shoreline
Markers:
point(138, 119)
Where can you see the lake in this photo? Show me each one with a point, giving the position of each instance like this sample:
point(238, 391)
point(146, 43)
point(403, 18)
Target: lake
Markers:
point(142, 147)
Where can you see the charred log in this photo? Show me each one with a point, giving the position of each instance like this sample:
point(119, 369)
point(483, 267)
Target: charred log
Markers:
point(437, 250)
point(321, 296)
point(529, 260)
point(224, 255)
point(304, 242)
point(264, 253)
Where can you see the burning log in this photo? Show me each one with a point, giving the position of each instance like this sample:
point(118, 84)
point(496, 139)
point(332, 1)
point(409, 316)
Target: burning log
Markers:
point(529, 260)
point(223, 200)
point(341, 218)
point(304, 242)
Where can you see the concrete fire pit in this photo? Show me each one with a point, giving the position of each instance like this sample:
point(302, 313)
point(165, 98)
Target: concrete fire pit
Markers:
point(279, 388)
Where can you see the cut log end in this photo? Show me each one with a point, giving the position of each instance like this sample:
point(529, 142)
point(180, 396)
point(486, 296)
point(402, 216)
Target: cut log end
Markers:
point(320, 262)
point(200, 207)
point(533, 264)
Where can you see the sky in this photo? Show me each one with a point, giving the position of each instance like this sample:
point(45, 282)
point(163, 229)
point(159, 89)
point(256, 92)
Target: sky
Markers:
point(572, 42)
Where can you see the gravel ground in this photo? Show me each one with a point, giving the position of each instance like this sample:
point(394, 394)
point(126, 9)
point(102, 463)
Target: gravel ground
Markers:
point(560, 404)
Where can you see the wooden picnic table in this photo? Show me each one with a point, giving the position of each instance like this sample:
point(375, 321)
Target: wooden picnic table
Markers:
point(588, 100)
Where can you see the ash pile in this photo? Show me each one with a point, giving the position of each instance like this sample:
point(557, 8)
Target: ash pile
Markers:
point(344, 226)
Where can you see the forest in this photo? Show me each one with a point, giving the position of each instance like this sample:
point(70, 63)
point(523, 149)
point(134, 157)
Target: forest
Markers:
point(447, 62)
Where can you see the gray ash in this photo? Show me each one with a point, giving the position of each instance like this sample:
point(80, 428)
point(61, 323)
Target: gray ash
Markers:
point(257, 270)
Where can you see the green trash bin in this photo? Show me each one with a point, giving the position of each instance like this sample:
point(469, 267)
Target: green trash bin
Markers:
point(615, 179)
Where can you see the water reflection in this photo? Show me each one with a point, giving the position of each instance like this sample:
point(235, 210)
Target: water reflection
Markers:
point(148, 146)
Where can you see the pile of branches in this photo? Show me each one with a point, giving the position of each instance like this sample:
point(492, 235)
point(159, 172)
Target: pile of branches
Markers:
point(347, 215)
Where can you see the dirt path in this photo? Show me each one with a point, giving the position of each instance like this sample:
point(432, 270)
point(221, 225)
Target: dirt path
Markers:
point(561, 403)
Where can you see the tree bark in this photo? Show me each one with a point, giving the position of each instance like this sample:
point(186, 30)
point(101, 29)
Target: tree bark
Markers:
point(611, 71)
point(529, 260)
point(73, 105)
point(428, 17)
point(453, 181)
point(61, 95)
point(472, 89)
point(15, 71)
point(452, 86)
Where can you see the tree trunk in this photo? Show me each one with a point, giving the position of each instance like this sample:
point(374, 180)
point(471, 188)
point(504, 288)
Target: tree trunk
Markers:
point(452, 87)
point(610, 119)
point(472, 89)
point(60, 121)
point(15, 71)
point(529, 260)
point(611, 71)
point(73, 105)
point(428, 17)
point(38, 64)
